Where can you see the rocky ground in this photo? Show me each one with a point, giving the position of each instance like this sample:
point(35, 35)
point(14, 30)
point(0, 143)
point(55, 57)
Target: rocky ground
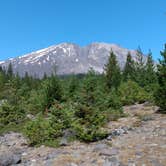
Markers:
point(136, 140)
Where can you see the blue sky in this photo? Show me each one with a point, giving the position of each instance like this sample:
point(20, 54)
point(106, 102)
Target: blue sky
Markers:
point(29, 25)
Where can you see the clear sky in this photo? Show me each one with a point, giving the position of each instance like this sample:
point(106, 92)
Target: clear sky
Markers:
point(29, 25)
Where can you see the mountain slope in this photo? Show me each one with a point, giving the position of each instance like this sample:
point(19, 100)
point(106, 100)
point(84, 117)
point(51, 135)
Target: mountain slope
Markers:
point(67, 58)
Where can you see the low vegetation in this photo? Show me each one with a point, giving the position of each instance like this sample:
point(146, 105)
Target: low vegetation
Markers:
point(79, 104)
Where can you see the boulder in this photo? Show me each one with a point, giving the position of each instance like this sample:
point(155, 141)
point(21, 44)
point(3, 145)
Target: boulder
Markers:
point(9, 158)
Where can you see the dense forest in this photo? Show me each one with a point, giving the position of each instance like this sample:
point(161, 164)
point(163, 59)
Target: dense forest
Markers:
point(44, 109)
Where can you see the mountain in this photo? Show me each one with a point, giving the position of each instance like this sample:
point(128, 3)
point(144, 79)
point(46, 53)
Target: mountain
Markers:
point(67, 58)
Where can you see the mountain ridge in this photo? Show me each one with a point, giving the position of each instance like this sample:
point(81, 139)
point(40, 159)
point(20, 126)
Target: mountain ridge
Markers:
point(69, 58)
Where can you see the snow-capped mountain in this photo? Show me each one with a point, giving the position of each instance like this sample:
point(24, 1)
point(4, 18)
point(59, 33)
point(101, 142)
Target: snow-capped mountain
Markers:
point(67, 58)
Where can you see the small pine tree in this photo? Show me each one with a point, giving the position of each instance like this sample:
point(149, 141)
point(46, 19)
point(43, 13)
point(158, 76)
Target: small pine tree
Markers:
point(160, 96)
point(150, 74)
point(27, 79)
point(87, 93)
point(73, 86)
point(140, 68)
point(2, 78)
point(129, 69)
point(52, 90)
point(1, 69)
point(112, 72)
point(44, 76)
point(10, 70)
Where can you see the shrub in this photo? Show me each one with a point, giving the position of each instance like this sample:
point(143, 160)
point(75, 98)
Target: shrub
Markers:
point(42, 99)
point(11, 114)
point(36, 102)
point(130, 92)
point(88, 133)
point(45, 130)
point(60, 118)
point(88, 123)
point(112, 100)
point(38, 131)
point(52, 90)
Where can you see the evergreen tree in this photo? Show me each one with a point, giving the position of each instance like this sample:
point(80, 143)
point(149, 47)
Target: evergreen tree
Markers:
point(160, 95)
point(52, 90)
point(2, 77)
point(2, 81)
point(112, 72)
point(73, 86)
point(44, 76)
point(17, 81)
point(150, 74)
point(129, 69)
point(1, 69)
point(27, 78)
point(87, 96)
point(140, 68)
point(10, 70)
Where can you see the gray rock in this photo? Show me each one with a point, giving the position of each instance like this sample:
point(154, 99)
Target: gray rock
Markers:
point(68, 133)
point(63, 142)
point(73, 164)
point(125, 128)
point(138, 153)
point(30, 116)
point(109, 152)
point(131, 164)
point(118, 132)
point(111, 162)
point(155, 162)
point(134, 108)
point(109, 138)
point(147, 118)
point(9, 158)
point(147, 103)
point(13, 139)
point(99, 147)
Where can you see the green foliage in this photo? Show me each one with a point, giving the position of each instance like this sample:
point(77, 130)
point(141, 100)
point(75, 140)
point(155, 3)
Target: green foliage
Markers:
point(36, 102)
point(10, 114)
point(112, 72)
point(10, 70)
point(112, 106)
point(87, 93)
point(52, 90)
point(60, 118)
point(38, 131)
point(73, 86)
point(2, 80)
point(150, 75)
point(130, 93)
point(47, 130)
point(129, 69)
point(42, 99)
point(140, 68)
point(89, 133)
point(88, 124)
point(112, 100)
point(160, 96)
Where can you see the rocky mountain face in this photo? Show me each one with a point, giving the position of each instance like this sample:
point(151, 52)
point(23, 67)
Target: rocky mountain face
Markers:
point(67, 58)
